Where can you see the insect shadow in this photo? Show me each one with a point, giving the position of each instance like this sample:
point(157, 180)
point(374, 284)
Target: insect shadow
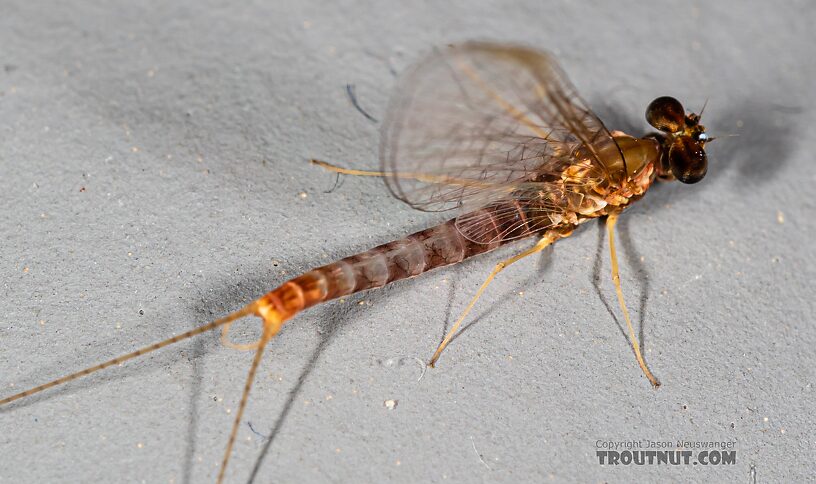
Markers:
point(755, 137)
point(330, 319)
point(543, 266)
point(335, 316)
point(234, 293)
point(764, 136)
point(221, 298)
point(134, 368)
point(632, 261)
point(767, 135)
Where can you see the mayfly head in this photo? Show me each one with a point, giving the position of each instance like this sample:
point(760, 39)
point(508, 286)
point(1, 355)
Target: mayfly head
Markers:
point(683, 139)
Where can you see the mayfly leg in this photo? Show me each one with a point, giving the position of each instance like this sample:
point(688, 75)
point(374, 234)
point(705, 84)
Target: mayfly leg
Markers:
point(611, 220)
point(346, 171)
point(422, 177)
point(542, 244)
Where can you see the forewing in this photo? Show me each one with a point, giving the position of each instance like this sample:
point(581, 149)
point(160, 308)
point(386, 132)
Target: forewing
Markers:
point(477, 123)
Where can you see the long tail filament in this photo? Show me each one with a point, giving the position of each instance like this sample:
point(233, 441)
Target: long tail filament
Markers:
point(245, 311)
point(272, 323)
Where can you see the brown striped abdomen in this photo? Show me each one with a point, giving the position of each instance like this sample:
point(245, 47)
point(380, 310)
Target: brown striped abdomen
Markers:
point(437, 246)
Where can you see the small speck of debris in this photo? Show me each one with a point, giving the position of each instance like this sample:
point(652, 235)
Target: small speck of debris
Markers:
point(303, 195)
point(764, 419)
point(780, 217)
point(140, 445)
point(135, 149)
point(81, 189)
point(264, 437)
point(141, 312)
point(25, 270)
point(390, 404)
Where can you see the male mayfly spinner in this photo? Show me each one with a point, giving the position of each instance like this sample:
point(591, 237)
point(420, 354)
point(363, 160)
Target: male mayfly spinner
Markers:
point(498, 133)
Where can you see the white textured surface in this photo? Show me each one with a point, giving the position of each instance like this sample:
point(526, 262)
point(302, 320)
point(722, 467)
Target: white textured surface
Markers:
point(152, 158)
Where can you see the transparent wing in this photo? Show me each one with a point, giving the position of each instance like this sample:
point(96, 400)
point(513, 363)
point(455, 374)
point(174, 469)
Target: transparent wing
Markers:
point(478, 123)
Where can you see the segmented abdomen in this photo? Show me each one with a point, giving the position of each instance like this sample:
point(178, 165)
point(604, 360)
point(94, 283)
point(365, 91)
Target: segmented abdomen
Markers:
point(420, 252)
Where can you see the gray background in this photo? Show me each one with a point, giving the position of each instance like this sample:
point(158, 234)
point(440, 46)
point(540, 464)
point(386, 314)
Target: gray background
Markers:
point(152, 161)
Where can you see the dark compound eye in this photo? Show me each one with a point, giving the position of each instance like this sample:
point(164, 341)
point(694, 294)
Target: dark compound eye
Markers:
point(688, 160)
point(666, 114)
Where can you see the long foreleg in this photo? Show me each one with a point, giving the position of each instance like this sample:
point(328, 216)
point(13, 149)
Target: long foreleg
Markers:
point(611, 220)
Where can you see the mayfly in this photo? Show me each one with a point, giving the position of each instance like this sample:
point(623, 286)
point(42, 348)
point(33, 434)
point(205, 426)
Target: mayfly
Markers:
point(499, 134)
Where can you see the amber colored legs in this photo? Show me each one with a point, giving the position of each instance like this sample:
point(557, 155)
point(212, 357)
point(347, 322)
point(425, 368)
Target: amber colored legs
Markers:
point(541, 245)
point(423, 177)
point(611, 220)
point(345, 171)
